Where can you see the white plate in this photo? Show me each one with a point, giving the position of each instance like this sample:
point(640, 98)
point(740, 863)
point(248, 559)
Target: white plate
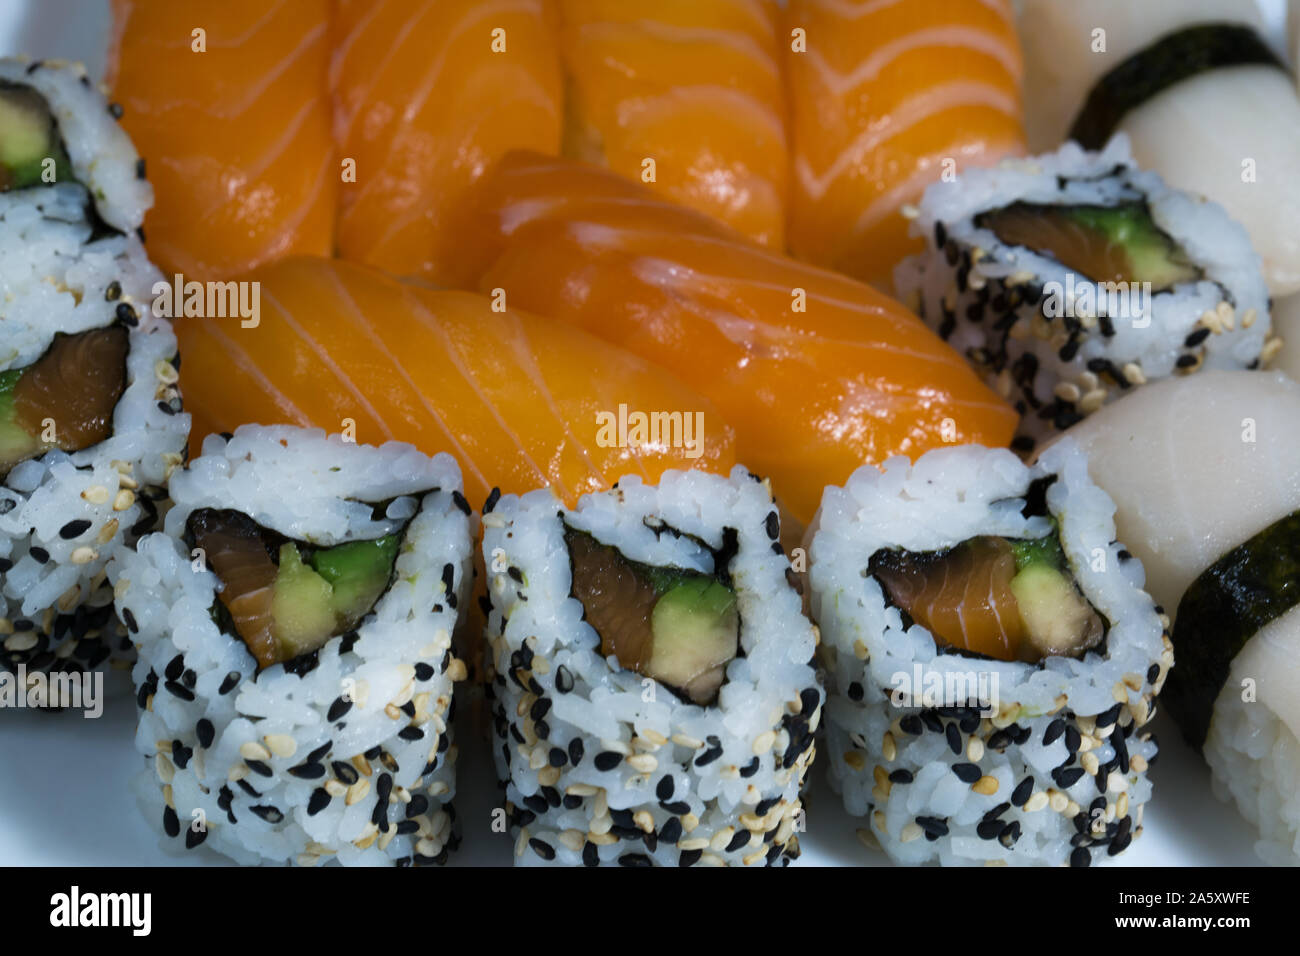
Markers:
point(65, 798)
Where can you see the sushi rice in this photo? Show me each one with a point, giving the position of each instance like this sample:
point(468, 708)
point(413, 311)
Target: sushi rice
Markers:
point(602, 765)
point(1055, 343)
point(346, 754)
point(1018, 763)
point(71, 261)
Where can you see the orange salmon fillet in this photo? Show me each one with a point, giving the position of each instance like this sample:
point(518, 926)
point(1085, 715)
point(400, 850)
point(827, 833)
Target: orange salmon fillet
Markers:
point(695, 86)
point(888, 97)
point(818, 373)
point(427, 95)
point(513, 397)
point(237, 138)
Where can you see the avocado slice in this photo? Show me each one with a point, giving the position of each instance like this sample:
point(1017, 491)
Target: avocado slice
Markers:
point(77, 384)
point(1120, 243)
point(694, 627)
point(357, 573)
point(288, 598)
point(28, 137)
point(1058, 620)
point(678, 626)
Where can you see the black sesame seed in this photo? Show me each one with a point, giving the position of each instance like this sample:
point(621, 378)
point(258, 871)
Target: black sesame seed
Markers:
point(1186, 361)
point(901, 776)
point(338, 709)
point(308, 771)
point(175, 668)
point(1067, 777)
point(258, 767)
point(1080, 858)
point(635, 859)
point(710, 755)
point(966, 772)
point(493, 497)
point(933, 825)
point(741, 838)
point(194, 838)
point(590, 855)
point(855, 691)
point(461, 503)
point(557, 757)
point(954, 738)
point(320, 799)
point(171, 824)
point(411, 733)
point(671, 831)
point(179, 690)
point(750, 768)
point(911, 724)
point(126, 315)
point(677, 807)
point(268, 813)
point(1073, 739)
point(1024, 790)
point(576, 751)
point(772, 524)
point(1054, 730)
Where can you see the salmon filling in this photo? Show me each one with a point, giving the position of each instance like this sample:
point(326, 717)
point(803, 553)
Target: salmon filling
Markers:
point(286, 598)
point(1011, 600)
point(65, 399)
point(1104, 243)
point(679, 627)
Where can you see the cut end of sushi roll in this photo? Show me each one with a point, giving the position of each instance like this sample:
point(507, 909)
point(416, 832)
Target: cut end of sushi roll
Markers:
point(998, 717)
point(91, 418)
point(653, 697)
point(295, 673)
point(1074, 277)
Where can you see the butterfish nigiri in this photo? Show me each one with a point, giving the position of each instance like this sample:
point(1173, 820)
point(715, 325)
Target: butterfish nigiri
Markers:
point(229, 104)
point(521, 403)
point(693, 86)
point(426, 97)
point(818, 373)
point(886, 97)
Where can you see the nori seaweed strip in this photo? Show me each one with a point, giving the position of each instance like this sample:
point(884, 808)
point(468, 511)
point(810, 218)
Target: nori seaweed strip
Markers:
point(1166, 62)
point(1253, 584)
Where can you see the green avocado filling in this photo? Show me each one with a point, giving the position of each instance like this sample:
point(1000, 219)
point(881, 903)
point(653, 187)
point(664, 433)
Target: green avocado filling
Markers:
point(1120, 243)
point(31, 150)
point(288, 598)
point(678, 626)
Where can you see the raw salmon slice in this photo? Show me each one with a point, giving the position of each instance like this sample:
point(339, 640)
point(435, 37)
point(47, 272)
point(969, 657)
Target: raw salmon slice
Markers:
point(818, 373)
point(237, 136)
point(886, 98)
point(695, 86)
point(427, 96)
point(516, 399)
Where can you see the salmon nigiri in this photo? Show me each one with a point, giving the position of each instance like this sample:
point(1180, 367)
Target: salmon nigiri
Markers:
point(228, 101)
point(520, 402)
point(886, 97)
point(817, 372)
point(692, 85)
point(427, 96)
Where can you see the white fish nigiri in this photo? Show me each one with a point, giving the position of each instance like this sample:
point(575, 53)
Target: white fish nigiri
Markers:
point(1230, 133)
point(1198, 467)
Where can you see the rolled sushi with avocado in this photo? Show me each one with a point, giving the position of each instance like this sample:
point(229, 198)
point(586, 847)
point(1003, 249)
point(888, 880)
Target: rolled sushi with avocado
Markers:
point(1073, 278)
point(91, 420)
point(295, 673)
point(991, 657)
point(650, 675)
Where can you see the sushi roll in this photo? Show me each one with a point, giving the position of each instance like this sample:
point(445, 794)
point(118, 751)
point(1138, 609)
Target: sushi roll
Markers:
point(91, 421)
point(1073, 277)
point(1205, 100)
point(295, 672)
point(652, 692)
point(1222, 554)
point(991, 659)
